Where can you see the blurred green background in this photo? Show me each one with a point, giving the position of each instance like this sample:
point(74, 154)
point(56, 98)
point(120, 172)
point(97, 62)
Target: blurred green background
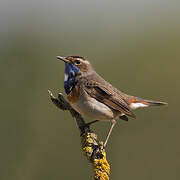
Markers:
point(134, 44)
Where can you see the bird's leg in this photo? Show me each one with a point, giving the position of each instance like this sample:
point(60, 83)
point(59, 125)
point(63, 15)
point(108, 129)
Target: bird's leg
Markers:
point(92, 122)
point(113, 122)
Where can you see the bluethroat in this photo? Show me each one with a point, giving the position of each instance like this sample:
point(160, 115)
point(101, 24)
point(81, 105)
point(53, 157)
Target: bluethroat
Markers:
point(93, 97)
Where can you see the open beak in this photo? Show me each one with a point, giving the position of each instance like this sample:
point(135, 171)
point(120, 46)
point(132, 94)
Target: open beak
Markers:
point(63, 59)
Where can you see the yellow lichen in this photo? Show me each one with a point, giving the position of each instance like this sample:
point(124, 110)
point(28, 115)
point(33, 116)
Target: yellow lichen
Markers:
point(101, 167)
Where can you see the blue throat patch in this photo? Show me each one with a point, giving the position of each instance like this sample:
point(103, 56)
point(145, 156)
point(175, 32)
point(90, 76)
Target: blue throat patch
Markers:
point(69, 77)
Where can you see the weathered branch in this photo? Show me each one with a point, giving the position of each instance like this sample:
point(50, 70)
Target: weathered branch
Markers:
point(91, 147)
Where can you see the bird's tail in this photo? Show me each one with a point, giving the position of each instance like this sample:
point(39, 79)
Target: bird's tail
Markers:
point(136, 102)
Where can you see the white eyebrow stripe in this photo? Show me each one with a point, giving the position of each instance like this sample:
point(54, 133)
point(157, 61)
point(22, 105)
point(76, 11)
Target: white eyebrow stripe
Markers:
point(84, 61)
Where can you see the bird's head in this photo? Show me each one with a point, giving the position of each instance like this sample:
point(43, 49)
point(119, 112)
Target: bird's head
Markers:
point(76, 63)
point(74, 66)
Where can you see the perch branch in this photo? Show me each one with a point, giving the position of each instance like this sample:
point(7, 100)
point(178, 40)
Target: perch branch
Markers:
point(91, 147)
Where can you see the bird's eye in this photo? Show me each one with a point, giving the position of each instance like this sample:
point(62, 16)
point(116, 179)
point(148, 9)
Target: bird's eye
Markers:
point(77, 62)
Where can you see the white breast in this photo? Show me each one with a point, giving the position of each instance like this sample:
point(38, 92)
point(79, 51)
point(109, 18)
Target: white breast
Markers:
point(90, 107)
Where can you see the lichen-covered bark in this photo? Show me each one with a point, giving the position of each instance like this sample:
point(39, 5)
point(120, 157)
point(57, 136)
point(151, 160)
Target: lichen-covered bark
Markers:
point(96, 154)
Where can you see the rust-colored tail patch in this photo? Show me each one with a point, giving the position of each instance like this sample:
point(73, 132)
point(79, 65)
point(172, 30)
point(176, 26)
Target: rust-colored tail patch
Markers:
point(139, 102)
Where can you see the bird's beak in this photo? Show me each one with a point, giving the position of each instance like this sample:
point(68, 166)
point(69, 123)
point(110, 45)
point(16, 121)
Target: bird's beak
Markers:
point(63, 59)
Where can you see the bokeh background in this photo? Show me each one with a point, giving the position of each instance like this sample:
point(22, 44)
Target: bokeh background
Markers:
point(134, 44)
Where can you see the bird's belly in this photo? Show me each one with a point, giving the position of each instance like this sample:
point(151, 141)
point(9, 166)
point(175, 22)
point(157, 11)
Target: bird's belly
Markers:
point(90, 107)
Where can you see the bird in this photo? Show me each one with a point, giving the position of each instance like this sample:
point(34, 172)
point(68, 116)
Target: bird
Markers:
point(93, 97)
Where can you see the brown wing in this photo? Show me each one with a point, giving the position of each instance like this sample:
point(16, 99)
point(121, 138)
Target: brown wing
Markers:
point(104, 95)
